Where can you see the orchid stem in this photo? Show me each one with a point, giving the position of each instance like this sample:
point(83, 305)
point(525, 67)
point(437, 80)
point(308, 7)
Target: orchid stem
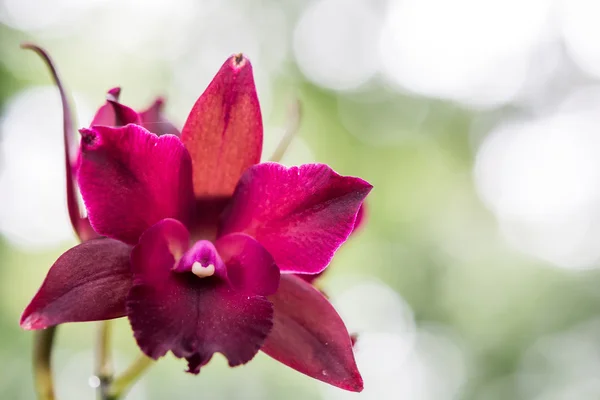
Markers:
point(293, 124)
point(122, 383)
point(104, 366)
point(42, 368)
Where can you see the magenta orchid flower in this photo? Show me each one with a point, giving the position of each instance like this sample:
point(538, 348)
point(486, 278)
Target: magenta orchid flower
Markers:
point(201, 245)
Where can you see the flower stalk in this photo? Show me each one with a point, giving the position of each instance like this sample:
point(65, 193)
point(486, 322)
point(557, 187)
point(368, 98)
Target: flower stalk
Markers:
point(293, 124)
point(112, 388)
point(122, 383)
point(42, 365)
point(104, 365)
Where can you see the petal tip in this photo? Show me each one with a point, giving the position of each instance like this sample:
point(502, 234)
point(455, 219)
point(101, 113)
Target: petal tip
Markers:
point(28, 46)
point(239, 61)
point(192, 370)
point(89, 138)
point(33, 321)
point(365, 185)
point(113, 94)
point(159, 102)
point(355, 384)
point(38, 49)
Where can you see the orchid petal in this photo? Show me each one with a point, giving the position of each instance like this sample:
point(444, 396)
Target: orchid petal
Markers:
point(113, 94)
point(80, 224)
point(361, 218)
point(154, 120)
point(301, 215)
point(310, 278)
point(309, 336)
point(105, 115)
point(358, 224)
point(89, 282)
point(224, 131)
point(191, 316)
point(113, 113)
point(130, 179)
point(207, 215)
point(250, 267)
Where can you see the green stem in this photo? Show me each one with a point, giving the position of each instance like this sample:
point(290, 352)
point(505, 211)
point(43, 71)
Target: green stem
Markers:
point(42, 368)
point(293, 124)
point(123, 382)
point(104, 366)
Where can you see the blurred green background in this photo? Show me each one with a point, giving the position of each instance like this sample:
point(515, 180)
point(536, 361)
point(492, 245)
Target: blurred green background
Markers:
point(477, 122)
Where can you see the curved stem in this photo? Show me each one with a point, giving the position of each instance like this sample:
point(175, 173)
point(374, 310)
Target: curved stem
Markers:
point(293, 124)
point(123, 382)
point(80, 224)
point(42, 368)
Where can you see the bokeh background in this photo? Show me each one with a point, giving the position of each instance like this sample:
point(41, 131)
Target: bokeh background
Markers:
point(477, 121)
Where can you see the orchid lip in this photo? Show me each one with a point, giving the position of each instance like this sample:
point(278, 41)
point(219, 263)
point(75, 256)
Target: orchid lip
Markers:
point(202, 271)
point(202, 260)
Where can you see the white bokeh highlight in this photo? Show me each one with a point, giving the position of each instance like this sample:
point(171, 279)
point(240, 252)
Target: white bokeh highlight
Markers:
point(396, 359)
point(40, 15)
point(382, 120)
point(356, 304)
point(462, 50)
point(562, 366)
point(541, 169)
point(334, 43)
point(579, 25)
point(33, 205)
point(75, 379)
point(541, 177)
point(433, 369)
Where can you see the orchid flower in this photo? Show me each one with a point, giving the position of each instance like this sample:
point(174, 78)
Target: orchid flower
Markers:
point(200, 244)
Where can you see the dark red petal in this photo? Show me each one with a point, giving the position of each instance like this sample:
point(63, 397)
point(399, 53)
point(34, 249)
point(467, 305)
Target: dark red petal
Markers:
point(224, 131)
point(309, 336)
point(192, 317)
point(155, 121)
point(87, 283)
point(130, 179)
point(80, 224)
point(301, 215)
point(250, 267)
